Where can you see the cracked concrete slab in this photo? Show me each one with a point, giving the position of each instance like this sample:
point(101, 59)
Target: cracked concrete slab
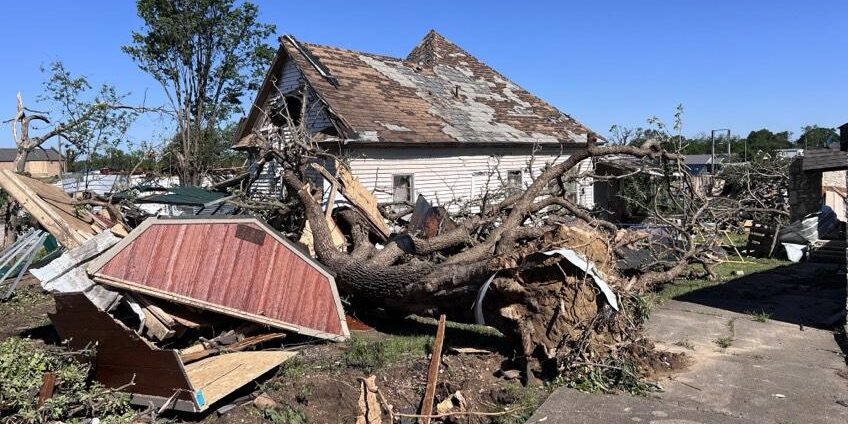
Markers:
point(778, 371)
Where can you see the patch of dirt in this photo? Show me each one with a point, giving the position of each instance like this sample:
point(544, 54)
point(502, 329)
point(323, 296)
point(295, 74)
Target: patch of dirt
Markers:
point(320, 386)
point(25, 314)
point(656, 364)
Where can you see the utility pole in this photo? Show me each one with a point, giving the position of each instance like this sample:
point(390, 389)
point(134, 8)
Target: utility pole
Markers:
point(712, 141)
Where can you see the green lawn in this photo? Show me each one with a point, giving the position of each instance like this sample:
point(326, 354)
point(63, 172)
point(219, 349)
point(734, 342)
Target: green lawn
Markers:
point(724, 272)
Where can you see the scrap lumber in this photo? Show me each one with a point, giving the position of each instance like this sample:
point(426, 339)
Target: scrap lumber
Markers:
point(433, 373)
point(48, 386)
point(50, 206)
point(236, 266)
point(369, 406)
point(308, 240)
point(188, 357)
point(159, 375)
point(762, 239)
point(358, 196)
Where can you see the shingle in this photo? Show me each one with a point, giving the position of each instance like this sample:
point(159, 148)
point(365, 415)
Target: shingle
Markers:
point(376, 93)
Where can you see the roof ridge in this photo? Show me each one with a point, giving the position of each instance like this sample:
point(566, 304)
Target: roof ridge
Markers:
point(327, 46)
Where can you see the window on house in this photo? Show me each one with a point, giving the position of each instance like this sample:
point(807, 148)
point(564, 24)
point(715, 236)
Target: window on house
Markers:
point(289, 108)
point(513, 180)
point(402, 188)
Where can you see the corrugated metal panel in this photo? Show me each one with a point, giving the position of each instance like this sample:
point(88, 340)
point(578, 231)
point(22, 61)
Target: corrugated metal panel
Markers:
point(236, 266)
point(93, 183)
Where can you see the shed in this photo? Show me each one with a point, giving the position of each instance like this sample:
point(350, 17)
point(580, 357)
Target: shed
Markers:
point(237, 266)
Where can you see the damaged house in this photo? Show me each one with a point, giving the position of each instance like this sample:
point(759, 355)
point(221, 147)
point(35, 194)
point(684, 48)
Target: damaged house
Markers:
point(439, 123)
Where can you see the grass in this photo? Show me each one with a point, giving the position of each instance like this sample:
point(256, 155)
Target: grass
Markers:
point(761, 316)
point(726, 342)
point(524, 400)
point(370, 355)
point(724, 272)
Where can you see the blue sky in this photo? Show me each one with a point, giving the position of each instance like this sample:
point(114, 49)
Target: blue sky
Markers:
point(742, 65)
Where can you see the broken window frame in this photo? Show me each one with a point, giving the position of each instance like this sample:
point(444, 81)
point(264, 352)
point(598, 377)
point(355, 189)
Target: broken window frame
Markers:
point(514, 180)
point(410, 188)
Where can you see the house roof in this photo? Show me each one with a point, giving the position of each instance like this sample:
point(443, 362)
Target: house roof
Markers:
point(8, 155)
point(702, 159)
point(439, 94)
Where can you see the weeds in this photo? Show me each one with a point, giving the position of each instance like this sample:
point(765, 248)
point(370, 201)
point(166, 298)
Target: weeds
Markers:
point(724, 342)
point(284, 415)
point(22, 365)
point(761, 316)
point(685, 344)
point(524, 400)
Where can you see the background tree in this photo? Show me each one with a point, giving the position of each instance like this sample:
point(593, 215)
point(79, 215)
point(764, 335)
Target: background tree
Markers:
point(766, 141)
point(101, 119)
point(87, 118)
point(816, 136)
point(207, 55)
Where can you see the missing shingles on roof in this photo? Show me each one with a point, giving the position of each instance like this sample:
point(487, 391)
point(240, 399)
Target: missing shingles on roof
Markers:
point(393, 127)
point(470, 117)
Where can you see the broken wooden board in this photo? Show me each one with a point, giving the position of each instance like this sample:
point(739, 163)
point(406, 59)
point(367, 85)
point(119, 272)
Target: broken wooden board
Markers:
point(358, 196)
point(236, 266)
point(195, 354)
point(50, 206)
point(308, 240)
point(160, 378)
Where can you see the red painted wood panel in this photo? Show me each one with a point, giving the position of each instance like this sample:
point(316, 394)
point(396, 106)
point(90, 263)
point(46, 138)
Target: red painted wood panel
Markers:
point(208, 262)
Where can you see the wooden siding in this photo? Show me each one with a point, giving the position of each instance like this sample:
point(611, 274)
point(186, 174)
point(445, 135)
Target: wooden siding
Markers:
point(235, 266)
point(38, 169)
point(443, 174)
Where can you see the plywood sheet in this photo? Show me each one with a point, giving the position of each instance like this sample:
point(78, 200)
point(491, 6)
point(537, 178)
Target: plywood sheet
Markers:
point(221, 375)
point(122, 355)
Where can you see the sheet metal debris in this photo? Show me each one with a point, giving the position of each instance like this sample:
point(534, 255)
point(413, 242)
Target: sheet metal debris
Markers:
point(589, 268)
point(66, 274)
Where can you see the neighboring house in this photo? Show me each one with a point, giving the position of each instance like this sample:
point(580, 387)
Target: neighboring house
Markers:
point(699, 165)
point(40, 163)
point(92, 183)
point(439, 123)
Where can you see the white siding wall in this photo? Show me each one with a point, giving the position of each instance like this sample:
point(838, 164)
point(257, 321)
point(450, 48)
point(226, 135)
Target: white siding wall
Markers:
point(445, 173)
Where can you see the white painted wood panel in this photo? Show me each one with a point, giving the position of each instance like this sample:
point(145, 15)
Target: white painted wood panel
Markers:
point(443, 174)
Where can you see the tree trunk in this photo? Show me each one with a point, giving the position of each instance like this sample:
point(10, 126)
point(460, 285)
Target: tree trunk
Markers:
point(20, 160)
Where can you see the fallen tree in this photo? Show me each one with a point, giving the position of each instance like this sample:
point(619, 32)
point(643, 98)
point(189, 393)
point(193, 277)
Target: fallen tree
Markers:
point(549, 307)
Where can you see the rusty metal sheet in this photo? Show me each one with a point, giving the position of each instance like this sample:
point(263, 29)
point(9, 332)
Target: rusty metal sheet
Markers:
point(235, 266)
point(429, 220)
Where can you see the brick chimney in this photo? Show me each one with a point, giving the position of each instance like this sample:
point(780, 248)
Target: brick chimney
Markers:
point(843, 137)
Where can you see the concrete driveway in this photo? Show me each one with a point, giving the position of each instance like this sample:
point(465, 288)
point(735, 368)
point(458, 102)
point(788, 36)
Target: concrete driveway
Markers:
point(788, 369)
